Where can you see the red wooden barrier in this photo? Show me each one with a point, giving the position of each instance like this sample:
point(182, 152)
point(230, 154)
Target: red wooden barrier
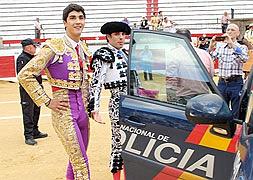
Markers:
point(7, 66)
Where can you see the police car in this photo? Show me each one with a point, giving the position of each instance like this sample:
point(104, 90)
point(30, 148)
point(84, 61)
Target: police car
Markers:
point(174, 123)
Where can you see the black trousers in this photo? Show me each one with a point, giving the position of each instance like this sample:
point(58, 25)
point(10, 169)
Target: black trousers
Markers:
point(37, 34)
point(146, 75)
point(31, 113)
point(224, 28)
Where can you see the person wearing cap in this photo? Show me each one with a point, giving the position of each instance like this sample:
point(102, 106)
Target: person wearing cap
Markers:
point(30, 111)
point(109, 66)
point(249, 34)
point(65, 61)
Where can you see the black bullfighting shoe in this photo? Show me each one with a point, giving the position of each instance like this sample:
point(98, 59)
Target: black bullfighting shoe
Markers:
point(30, 141)
point(40, 135)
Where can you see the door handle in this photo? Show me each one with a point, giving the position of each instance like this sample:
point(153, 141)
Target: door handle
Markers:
point(133, 120)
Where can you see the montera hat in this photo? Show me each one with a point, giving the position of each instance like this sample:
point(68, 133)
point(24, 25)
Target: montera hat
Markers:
point(27, 42)
point(111, 27)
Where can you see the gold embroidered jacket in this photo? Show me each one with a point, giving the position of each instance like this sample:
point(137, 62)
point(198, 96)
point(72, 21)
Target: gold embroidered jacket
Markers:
point(62, 66)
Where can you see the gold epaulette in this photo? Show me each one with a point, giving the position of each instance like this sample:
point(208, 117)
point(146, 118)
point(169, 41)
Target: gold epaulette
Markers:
point(86, 49)
point(57, 45)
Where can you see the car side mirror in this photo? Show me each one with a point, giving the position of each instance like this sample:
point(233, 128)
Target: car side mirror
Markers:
point(211, 109)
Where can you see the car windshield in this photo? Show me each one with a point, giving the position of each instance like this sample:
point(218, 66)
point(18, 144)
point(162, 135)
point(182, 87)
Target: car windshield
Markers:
point(165, 67)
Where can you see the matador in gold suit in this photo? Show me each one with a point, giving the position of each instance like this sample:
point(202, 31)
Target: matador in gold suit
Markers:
point(66, 69)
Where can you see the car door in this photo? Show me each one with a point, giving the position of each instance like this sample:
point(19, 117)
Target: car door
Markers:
point(158, 141)
point(246, 140)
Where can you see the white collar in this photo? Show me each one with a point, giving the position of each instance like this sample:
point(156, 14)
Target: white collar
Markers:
point(73, 43)
point(113, 48)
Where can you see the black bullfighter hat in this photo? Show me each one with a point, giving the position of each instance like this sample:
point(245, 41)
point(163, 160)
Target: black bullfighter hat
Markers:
point(27, 42)
point(111, 27)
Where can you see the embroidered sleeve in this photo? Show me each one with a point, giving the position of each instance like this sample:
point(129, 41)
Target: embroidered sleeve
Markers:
point(85, 91)
point(98, 78)
point(104, 54)
point(27, 76)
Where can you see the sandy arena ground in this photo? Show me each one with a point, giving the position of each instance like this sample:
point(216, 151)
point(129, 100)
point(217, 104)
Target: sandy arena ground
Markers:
point(47, 160)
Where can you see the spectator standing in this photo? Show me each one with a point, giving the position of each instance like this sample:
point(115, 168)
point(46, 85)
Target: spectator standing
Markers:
point(38, 28)
point(65, 61)
point(144, 23)
point(168, 25)
point(31, 112)
point(134, 26)
point(231, 56)
point(125, 20)
point(182, 82)
point(248, 35)
point(248, 41)
point(146, 55)
point(154, 21)
point(110, 69)
point(203, 55)
point(203, 43)
point(161, 18)
point(224, 22)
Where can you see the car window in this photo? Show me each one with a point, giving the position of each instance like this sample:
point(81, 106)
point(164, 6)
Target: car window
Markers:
point(165, 68)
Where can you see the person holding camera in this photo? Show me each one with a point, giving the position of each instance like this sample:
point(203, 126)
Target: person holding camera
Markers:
point(203, 43)
point(231, 56)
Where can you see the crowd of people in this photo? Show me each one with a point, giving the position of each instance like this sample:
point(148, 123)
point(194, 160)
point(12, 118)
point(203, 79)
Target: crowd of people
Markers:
point(75, 98)
point(157, 22)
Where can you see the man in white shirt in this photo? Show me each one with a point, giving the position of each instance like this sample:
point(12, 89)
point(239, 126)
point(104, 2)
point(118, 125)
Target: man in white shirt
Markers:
point(38, 28)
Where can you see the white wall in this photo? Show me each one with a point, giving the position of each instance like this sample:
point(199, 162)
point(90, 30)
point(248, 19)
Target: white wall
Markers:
point(17, 16)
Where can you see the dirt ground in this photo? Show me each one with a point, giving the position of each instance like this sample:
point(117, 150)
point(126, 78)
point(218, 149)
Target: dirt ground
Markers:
point(47, 160)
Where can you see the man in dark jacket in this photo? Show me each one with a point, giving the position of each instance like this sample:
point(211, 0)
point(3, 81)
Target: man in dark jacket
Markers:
point(30, 110)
